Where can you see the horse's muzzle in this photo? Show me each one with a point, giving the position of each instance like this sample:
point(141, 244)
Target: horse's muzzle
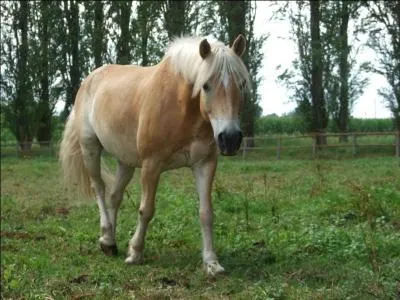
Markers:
point(229, 142)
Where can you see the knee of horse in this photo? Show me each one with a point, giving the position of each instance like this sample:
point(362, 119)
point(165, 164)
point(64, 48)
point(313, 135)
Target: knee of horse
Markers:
point(97, 185)
point(116, 197)
point(146, 213)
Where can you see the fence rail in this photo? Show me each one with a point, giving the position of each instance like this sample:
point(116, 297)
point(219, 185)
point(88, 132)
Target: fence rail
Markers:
point(388, 143)
point(310, 141)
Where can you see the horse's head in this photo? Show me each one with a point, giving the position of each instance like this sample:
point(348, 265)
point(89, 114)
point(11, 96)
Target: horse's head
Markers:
point(222, 93)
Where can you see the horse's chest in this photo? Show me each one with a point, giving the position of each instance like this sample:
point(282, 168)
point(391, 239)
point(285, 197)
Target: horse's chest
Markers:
point(190, 154)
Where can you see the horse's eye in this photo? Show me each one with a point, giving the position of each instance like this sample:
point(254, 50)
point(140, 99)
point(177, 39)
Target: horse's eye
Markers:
point(206, 87)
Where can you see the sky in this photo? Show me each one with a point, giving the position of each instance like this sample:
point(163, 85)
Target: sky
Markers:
point(279, 50)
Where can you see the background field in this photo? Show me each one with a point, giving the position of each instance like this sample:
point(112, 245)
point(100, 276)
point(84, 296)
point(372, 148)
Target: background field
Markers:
point(288, 229)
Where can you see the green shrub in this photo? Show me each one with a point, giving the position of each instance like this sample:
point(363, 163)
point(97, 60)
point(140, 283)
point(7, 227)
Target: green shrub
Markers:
point(296, 125)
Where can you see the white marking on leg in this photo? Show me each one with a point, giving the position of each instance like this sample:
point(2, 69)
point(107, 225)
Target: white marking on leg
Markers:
point(204, 173)
point(91, 155)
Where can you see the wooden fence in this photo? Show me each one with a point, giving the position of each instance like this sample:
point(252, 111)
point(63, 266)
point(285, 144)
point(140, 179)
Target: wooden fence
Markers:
point(278, 145)
point(309, 142)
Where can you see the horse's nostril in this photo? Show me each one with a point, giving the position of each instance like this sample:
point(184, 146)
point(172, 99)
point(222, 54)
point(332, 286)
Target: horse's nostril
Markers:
point(240, 136)
point(229, 142)
point(220, 138)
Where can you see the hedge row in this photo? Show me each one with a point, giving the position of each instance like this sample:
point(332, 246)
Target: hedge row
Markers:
point(296, 125)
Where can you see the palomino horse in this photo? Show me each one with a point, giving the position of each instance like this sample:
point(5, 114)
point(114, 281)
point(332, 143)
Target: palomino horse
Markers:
point(156, 118)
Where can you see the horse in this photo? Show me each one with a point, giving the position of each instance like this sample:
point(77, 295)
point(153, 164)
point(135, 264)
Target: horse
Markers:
point(181, 112)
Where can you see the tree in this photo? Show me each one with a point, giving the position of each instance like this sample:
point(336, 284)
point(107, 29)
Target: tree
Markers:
point(71, 51)
point(148, 12)
point(209, 19)
point(19, 108)
point(298, 78)
point(123, 10)
point(98, 41)
point(41, 82)
point(8, 58)
point(344, 68)
point(343, 80)
point(181, 17)
point(44, 113)
point(175, 14)
point(342, 74)
point(318, 108)
point(384, 38)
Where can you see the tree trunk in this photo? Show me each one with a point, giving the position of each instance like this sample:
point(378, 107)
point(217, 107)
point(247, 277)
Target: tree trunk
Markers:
point(23, 93)
point(148, 13)
point(344, 71)
point(143, 18)
point(98, 34)
point(44, 132)
point(174, 16)
point(123, 45)
point(145, 56)
point(319, 115)
point(72, 16)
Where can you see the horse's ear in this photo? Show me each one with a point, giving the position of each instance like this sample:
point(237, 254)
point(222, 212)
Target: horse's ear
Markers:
point(239, 45)
point(205, 49)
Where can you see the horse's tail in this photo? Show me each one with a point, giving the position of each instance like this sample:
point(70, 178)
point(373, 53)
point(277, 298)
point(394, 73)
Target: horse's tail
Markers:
point(71, 159)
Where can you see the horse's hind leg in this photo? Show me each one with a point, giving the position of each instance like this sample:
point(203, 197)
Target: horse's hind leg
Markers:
point(123, 176)
point(91, 150)
point(149, 180)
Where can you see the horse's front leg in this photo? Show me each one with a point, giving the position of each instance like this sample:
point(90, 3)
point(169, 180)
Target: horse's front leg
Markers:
point(204, 174)
point(149, 180)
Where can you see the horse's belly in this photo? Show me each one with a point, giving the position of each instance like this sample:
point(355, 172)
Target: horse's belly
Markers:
point(124, 150)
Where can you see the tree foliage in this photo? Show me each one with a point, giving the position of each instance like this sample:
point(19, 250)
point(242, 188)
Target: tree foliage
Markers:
point(383, 23)
point(18, 108)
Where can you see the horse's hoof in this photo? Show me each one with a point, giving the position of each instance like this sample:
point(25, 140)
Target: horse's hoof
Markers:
point(134, 259)
point(109, 250)
point(213, 268)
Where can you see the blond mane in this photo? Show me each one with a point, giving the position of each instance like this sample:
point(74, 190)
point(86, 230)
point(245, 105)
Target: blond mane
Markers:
point(186, 60)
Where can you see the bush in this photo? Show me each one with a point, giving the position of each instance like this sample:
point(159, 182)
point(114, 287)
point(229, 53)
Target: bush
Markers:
point(275, 124)
point(296, 125)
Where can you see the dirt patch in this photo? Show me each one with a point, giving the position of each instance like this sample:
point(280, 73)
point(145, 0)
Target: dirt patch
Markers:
point(80, 279)
point(21, 235)
point(16, 235)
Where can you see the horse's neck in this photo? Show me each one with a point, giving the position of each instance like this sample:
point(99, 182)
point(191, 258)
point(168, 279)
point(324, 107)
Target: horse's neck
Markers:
point(177, 94)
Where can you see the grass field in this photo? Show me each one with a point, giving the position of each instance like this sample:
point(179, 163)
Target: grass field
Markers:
point(288, 229)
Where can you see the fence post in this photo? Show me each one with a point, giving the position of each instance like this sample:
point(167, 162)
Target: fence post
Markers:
point(314, 146)
point(279, 148)
point(398, 144)
point(244, 147)
point(354, 144)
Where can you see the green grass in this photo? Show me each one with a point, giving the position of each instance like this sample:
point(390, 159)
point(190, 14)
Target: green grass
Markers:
point(288, 229)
